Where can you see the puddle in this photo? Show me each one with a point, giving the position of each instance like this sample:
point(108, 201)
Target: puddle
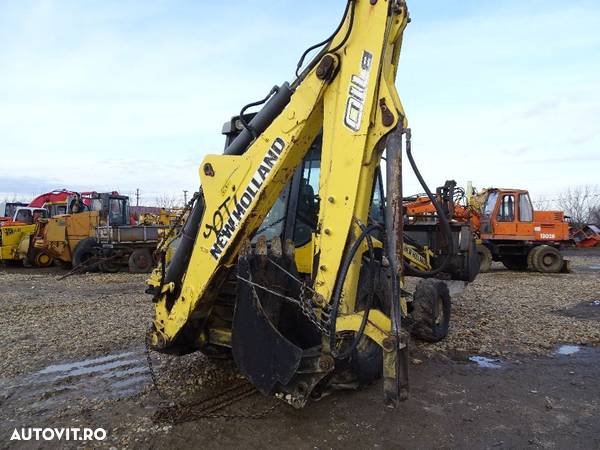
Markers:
point(587, 310)
point(487, 363)
point(125, 372)
point(67, 367)
point(118, 375)
point(567, 349)
point(129, 382)
point(594, 267)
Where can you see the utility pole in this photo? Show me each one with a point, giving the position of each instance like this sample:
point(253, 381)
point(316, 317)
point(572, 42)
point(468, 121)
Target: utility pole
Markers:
point(137, 197)
point(185, 197)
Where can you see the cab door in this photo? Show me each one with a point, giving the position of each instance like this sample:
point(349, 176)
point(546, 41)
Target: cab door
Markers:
point(506, 227)
point(524, 223)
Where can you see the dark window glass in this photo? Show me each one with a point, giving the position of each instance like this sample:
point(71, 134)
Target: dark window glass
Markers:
point(24, 216)
point(506, 213)
point(308, 201)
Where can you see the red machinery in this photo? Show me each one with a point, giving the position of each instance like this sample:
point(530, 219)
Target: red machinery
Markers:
point(55, 202)
point(586, 236)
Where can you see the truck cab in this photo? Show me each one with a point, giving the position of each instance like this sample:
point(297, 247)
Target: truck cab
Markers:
point(8, 209)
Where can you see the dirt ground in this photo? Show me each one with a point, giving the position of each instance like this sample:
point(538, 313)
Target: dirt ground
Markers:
point(73, 356)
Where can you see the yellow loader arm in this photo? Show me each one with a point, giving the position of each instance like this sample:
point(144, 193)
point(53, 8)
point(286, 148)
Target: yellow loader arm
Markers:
point(348, 94)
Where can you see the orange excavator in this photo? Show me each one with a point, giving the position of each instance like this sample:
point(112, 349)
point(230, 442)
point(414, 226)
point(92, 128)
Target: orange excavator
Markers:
point(504, 223)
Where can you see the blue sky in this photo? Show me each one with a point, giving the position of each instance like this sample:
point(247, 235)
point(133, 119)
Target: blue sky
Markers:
point(125, 95)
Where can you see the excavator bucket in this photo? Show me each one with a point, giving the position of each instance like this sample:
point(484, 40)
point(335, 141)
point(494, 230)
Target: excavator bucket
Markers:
point(260, 350)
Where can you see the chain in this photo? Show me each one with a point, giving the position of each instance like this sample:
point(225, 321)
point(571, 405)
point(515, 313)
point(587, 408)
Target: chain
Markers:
point(208, 406)
point(187, 412)
point(292, 276)
point(304, 303)
point(151, 369)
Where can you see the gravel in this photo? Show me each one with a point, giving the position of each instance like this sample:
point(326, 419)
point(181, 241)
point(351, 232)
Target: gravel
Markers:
point(44, 319)
point(505, 313)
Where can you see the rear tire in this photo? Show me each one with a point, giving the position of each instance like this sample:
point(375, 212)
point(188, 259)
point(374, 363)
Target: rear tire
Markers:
point(515, 262)
point(431, 311)
point(367, 359)
point(141, 261)
point(531, 258)
point(84, 251)
point(547, 259)
point(485, 258)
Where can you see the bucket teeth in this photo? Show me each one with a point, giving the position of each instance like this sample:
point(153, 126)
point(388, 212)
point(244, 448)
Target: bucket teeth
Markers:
point(246, 249)
point(276, 250)
point(289, 249)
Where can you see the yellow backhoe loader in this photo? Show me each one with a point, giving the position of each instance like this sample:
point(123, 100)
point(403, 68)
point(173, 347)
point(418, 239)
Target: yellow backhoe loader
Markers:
point(291, 259)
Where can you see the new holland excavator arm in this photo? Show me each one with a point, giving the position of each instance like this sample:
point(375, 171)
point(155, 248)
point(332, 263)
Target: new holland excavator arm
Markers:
point(292, 334)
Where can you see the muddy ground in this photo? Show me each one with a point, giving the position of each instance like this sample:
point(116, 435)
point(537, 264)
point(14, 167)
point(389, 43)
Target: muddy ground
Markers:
point(73, 355)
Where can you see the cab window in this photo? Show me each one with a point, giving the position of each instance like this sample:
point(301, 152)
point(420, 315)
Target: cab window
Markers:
point(10, 210)
point(274, 222)
point(116, 212)
point(490, 204)
point(307, 211)
point(506, 212)
point(377, 211)
point(525, 208)
point(24, 215)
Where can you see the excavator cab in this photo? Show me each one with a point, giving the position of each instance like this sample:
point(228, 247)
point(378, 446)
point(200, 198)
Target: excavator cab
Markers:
point(506, 213)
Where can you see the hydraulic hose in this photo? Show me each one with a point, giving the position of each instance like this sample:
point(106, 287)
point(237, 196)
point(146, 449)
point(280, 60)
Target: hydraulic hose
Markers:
point(349, 6)
point(337, 292)
point(442, 217)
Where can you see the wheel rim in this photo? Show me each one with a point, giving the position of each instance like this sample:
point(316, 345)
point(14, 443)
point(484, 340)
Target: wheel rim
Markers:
point(43, 260)
point(142, 261)
point(548, 260)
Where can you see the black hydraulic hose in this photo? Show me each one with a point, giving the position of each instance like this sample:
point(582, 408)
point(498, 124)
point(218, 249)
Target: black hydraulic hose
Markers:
point(349, 31)
point(243, 121)
point(442, 217)
point(324, 42)
point(337, 292)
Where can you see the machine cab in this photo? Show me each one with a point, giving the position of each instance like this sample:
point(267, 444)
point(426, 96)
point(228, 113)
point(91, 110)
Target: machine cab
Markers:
point(29, 216)
point(507, 214)
point(295, 213)
point(8, 209)
point(113, 208)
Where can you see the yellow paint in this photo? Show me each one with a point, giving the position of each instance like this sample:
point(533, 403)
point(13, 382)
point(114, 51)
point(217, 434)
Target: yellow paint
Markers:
point(12, 238)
